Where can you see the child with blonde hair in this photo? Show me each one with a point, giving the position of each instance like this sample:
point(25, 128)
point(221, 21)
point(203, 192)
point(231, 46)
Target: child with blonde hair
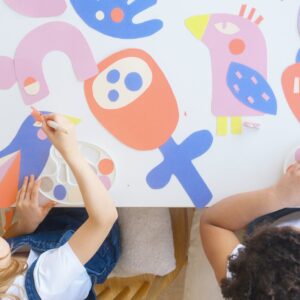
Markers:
point(70, 249)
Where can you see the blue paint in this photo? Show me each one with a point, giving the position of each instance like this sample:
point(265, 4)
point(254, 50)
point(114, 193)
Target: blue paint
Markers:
point(178, 162)
point(113, 76)
point(249, 89)
point(126, 29)
point(113, 95)
point(298, 57)
point(133, 81)
point(60, 192)
point(34, 152)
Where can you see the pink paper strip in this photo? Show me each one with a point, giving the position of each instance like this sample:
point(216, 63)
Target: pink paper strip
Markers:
point(54, 36)
point(38, 8)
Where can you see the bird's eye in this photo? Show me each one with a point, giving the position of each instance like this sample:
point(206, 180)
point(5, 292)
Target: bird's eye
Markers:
point(227, 28)
point(122, 83)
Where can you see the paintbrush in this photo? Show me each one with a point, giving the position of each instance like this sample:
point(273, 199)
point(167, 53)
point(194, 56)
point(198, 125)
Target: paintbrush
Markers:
point(38, 116)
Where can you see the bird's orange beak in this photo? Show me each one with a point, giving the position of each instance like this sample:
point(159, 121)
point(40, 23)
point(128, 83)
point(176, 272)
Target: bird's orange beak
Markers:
point(197, 25)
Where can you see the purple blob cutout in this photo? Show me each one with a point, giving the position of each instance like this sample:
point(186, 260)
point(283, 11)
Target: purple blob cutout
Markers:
point(60, 192)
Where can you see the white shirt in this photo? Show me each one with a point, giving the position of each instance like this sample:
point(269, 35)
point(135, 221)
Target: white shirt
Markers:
point(58, 275)
point(292, 219)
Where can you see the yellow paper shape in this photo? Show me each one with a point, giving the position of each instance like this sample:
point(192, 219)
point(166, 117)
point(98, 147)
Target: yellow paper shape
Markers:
point(236, 125)
point(221, 125)
point(73, 120)
point(197, 25)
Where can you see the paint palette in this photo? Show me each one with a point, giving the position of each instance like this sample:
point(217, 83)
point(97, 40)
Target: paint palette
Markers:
point(58, 182)
point(293, 157)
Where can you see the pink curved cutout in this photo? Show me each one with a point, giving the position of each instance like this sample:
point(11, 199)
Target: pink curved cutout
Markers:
point(7, 73)
point(38, 8)
point(55, 36)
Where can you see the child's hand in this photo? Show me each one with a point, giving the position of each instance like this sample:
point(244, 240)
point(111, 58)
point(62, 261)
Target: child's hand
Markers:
point(65, 143)
point(29, 213)
point(288, 188)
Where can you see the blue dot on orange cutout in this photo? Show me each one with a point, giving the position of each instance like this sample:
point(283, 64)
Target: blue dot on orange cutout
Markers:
point(113, 76)
point(133, 81)
point(60, 192)
point(113, 95)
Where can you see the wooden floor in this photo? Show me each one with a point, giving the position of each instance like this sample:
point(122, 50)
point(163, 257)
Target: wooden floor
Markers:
point(176, 289)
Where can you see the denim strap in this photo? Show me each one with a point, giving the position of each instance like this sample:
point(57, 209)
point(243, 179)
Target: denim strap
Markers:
point(31, 291)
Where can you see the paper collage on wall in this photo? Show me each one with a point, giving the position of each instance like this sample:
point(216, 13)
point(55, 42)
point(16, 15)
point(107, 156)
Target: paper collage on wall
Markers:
point(130, 96)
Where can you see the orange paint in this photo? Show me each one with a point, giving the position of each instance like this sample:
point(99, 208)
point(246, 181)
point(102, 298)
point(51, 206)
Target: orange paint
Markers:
point(106, 166)
point(36, 114)
point(149, 121)
point(117, 15)
point(237, 46)
point(288, 81)
point(9, 216)
point(9, 183)
point(29, 81)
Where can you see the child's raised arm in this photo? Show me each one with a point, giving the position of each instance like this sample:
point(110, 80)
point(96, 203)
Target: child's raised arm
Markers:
point(219, 222)
point(99, 205)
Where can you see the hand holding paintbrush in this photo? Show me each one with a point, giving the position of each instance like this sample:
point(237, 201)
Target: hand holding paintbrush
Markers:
point(60, 130)
point(39, 117)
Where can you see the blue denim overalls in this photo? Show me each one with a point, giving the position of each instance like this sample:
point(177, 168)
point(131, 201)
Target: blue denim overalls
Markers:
point(270, 218)
point(55, 231)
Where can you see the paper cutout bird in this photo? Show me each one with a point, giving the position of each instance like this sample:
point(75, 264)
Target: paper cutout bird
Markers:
point(26, 155)
point(239, 66)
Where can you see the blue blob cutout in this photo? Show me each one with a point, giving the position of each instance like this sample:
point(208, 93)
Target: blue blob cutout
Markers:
point(178, 162)
point(133, 81)
point(113, 76)
point(60, 192)
point(249, 89)
point(126, 29)
point(113, 95)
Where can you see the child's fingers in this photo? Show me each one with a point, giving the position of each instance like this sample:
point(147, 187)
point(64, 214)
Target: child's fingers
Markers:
point(35, 191)
point(29, 187)
point(49, 116)
point(23, 189)
point(53, 117)
point(48, 130)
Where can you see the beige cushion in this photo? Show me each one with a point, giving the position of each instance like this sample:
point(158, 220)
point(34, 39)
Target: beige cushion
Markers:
point(147, 242)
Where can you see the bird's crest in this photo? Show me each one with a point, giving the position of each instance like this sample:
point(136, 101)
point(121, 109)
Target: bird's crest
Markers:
point(251, 14)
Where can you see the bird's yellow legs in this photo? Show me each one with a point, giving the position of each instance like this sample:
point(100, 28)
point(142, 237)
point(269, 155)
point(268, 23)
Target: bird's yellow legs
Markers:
point(236, 125)
point(222, 125)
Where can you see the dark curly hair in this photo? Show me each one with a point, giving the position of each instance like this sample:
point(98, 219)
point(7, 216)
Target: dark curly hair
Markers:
point(267, 268)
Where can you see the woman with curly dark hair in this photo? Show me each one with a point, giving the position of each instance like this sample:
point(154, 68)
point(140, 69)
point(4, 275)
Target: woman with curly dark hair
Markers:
point(267, 264)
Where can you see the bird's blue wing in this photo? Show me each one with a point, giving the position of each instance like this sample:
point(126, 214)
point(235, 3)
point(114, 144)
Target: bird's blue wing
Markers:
point(251, 88)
